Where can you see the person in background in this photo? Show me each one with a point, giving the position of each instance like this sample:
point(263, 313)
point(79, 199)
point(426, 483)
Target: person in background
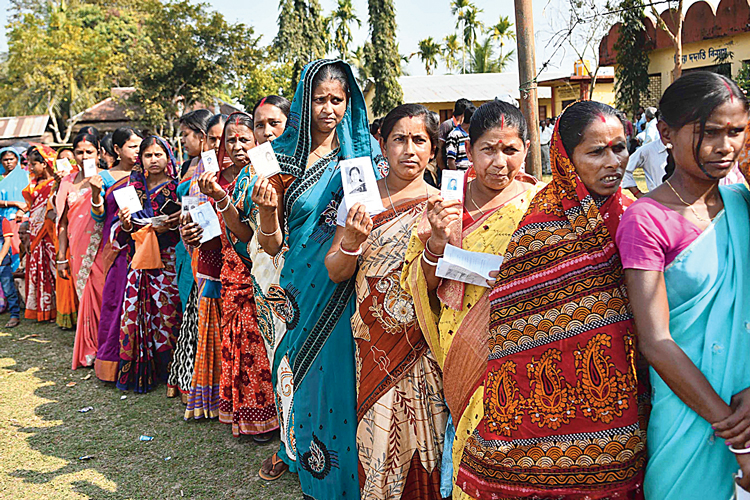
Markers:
point(640, 118)
point(652, 158)
point(456, 143)
point(66, 152)
point(11, 188)
point(375, 128)
point(447, 127)
point(107, 153)
point(545, 136)
point(650, 132)
point(685, 251)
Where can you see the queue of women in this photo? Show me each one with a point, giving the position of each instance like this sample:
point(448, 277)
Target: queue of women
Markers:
point(605, 359)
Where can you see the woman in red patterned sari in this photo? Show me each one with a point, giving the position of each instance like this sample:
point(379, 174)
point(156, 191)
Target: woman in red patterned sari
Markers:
point(247, 401)
point(561, 400)
point(40, 264)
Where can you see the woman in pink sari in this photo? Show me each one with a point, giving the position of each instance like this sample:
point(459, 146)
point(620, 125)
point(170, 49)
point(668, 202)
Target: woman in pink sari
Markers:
point(79, 233)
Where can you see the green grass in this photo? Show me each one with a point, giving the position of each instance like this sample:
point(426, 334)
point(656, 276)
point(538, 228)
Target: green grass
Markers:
point(42, 434)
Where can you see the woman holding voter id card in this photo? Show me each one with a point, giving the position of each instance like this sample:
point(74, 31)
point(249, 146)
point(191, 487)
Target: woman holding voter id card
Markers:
point(151, 311)
point(561, 412)
point(453, 315)
point(399, 384)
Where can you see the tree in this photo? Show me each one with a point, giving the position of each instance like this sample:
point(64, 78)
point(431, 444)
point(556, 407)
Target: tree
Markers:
point(302, 35)
point(677, 16)
point(471, 25)
point(340, 20)
point(386, 60)
point(268, 77)
point(501, 32)
point(451, 46)
point(63, 58)
point(428, 52)
point(458, 7)
point(631, 82)
point(361, 59)
point(483, 60)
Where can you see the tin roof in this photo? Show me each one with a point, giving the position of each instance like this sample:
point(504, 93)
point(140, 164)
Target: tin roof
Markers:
point(19, 127)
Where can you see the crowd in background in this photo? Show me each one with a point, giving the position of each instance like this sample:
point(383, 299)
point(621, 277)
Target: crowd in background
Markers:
point(605, 358)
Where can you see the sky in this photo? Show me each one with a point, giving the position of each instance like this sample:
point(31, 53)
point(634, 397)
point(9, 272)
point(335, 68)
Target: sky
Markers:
point(416, 19)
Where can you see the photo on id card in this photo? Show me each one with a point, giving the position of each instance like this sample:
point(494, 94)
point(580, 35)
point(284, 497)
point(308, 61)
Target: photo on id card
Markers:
point(360, 185)
point(452, 185)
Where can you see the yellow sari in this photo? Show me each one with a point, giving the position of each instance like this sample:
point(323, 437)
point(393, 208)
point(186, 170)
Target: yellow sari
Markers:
point(457, 328)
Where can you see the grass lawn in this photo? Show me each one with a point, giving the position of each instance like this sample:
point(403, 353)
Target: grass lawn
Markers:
point(42, 435)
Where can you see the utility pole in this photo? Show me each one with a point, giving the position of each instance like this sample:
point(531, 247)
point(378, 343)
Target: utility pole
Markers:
point(527, 75)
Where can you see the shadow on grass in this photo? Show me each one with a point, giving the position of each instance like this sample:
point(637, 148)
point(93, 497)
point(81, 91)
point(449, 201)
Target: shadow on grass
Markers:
point(44, 435)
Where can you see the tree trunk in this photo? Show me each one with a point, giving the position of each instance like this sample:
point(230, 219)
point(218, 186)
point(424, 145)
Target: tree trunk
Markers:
point(677, 42)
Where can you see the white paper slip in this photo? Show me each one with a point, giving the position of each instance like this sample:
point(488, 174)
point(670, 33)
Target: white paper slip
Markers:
point(210, 162)
point(189, 202)
point(468, 267)
point(452, 185)
point(127, 198)
point(264, 160)
point(360, 185)
point(206, 218)
point(89, 167)
point(156, 221)
point(64, 166)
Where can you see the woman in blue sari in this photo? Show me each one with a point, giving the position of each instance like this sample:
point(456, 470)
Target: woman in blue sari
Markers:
point(313, 364)
point(685, 248)
point(14, 180)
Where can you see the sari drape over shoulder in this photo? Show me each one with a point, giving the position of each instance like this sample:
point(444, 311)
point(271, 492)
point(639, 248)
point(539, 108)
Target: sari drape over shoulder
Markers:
point(561, 412)
point(313, 364)
point(456, 328)
point(707, 288)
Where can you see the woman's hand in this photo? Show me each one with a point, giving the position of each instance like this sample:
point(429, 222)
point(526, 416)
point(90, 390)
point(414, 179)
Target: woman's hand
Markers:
point(735, 429)
point(493, 278)
point(442, 215)
point(357, 229)
point(264, 195)
point(125, 220)
point(96, 184)
point(63, 269)
point(170, 224)
point(190, 231)
point(208, 184)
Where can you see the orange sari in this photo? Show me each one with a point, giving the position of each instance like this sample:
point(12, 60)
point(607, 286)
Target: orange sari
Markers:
point(40, 266)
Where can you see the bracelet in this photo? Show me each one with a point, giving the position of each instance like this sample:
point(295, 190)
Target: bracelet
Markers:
point(428, 261)
point(62, 261)
point(739, 451)
point(355, 253)
point(225, 197)
point(222, 210)
point(98, 205)
point(432, 254)
point(268, 235)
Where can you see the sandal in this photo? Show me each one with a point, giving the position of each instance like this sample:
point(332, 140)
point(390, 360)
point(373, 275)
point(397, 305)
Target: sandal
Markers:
point(12, 323)
point(272, 468)
point(263, 438)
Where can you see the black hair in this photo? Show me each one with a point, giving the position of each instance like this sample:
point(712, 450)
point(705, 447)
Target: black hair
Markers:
point(218, 119)
point(9, 152)
point(334, 71)
point(33, 155)
point(460, 106)
point(280, 102)
point(494, 114)
point(197, 120)
point(107, 145)
point(86, 137)
point(431, 125)
point(375, 126)
point(692, 98)
point(239, 118)
point(468, 113)
point(147, 143)
point(578, 116)
point(123, 135)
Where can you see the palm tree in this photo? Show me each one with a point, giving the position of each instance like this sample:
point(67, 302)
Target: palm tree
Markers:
point(500, 32)
point(451, 46)
point(340, 20)
point(482, 58)
point(359, 61)
point(458, 8)
point(472, 24)
point(428, 52)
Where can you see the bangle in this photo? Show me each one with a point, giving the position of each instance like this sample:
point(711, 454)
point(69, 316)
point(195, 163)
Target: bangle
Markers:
point(97, 205)
point(62, 261)
point(222, 210)
point(739, 451)
point(268, 235)
point(355, 253)
point(226, 195)
point(432, 254)
point(428, 261)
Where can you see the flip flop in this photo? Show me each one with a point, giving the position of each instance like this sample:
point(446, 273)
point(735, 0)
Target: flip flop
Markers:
point(278, 468)
point(17, 322)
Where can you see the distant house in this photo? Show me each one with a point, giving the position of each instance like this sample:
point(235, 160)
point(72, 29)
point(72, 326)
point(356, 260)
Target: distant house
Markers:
point(571, 88)
point(440, 92)
point(32, 128)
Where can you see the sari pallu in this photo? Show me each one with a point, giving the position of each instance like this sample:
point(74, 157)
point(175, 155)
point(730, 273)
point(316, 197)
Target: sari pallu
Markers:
point(707, 286)
point(400, 410)
point(561, 413)
point(313, 369)
point(115, 268)
point(456, 326)
point(41, 270)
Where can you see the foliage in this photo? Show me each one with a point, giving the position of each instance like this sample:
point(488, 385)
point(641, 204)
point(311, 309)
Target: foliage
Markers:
point(267, 78)
point(302, 35)
point(501, 32)
point(483, 60)
point(743, 77)
point(427, 53)
point(340, 20)
point(361, 58)
point(386, 60)
point(632, 57)
point(451, 47)
point(64, 58)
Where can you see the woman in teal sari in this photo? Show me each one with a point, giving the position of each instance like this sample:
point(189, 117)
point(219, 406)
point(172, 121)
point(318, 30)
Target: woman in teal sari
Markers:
point(313, 364)
point(685, 248)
